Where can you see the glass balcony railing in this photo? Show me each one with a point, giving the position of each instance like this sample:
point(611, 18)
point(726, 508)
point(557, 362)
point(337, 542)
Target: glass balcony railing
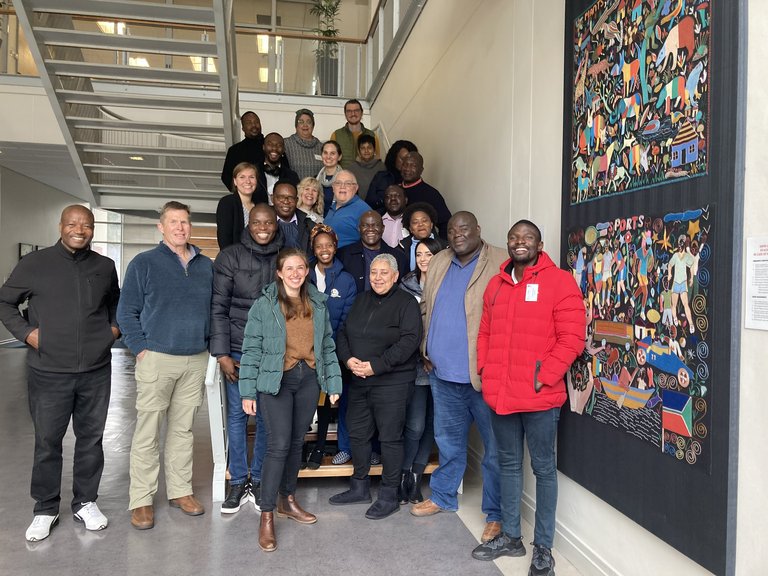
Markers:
point(280, 56)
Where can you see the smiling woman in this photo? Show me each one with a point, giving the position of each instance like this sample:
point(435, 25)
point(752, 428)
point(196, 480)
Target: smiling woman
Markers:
point(288, 357)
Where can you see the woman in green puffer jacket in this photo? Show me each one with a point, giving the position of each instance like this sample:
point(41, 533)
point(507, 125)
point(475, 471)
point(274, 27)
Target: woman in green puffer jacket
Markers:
point(288, 357)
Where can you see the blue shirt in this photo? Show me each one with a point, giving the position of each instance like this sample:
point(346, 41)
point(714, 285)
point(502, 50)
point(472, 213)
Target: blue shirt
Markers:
point(447, 342)
point(343, 220)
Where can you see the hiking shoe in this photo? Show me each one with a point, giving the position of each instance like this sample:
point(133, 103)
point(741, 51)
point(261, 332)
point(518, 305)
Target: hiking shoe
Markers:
point(41, 527)
point(341, 457)
point(542, 563)
point(238, 495)
point(501, 545)
point(375, 458)
point(90, 515)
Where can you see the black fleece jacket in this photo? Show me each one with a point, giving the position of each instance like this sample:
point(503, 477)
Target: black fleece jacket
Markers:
point(385, 331)
point(72, 302)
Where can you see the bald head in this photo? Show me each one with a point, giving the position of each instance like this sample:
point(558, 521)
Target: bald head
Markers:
point(344, 187)
point(412, 168)
point(76, 227)
point(371, 227)
point(464, 236)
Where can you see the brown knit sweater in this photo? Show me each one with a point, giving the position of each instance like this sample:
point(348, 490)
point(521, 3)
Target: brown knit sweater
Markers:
point(299, 342)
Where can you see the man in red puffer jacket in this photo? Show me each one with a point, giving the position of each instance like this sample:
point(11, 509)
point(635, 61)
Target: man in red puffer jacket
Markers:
point(532, 329)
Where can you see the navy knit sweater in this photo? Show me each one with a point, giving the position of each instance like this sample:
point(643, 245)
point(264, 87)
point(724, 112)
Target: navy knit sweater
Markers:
point(163, 307)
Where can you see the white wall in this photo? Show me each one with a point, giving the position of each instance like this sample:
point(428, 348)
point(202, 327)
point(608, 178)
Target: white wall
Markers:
point(478, 87)
point(752, 519)
point(29, 213)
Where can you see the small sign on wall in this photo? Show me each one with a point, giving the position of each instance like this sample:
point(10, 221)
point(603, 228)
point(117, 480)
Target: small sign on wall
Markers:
point(757, 283)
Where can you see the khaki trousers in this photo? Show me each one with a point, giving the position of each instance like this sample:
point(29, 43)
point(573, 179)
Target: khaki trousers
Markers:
point(167, 387)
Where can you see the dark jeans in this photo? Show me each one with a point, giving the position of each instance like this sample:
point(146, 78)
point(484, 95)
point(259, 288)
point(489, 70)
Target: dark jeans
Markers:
point(419, 431)
point(53, 400)
point(379, 406)
point(539, 429)
point(287, 417)
point(237, 436)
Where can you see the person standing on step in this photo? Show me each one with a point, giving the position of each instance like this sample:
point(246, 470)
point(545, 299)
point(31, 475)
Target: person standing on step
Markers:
point(379, 343)
point(534, 312)
point(69, 375)
point(288, 357)
point(240, 272)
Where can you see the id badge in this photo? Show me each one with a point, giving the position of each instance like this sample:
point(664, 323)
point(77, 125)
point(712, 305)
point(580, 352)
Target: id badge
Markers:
point(532, 293)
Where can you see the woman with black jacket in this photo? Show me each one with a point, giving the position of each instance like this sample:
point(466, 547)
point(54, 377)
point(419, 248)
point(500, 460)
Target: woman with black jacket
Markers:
point(379, 344)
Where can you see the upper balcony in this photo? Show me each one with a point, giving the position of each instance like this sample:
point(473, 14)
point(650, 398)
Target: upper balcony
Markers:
point(160, 81)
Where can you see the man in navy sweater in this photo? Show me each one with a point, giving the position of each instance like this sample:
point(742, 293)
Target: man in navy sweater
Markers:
point(164, 316)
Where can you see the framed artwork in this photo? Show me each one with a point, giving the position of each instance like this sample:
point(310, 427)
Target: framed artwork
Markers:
point(653, 149)
point(25, 249)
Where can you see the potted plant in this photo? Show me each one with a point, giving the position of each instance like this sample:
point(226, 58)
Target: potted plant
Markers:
point(327, 51)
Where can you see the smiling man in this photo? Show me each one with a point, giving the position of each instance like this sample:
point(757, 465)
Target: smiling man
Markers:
point(452, 305)
point(295, 224)
point(348, 134)
point(534, 312)
point(240, 272)
point(357, 257)
point(346, 209)
point(165, 317)
point(275, 167)
point(69, 377)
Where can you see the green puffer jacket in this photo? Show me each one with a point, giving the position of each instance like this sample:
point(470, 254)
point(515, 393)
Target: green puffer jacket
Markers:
point(261, 367)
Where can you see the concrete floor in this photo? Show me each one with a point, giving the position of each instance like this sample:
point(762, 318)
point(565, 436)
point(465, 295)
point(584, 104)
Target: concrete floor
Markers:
point(343, 542)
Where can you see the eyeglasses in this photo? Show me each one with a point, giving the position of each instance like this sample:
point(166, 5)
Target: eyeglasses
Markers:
point(304, 122)
point(339, 184)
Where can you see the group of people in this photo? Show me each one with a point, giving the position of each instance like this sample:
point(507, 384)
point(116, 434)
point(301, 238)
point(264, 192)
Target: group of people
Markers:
point(392, 308)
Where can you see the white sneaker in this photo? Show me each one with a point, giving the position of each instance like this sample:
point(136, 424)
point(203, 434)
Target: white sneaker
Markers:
point(41, 527)
point(91, 516)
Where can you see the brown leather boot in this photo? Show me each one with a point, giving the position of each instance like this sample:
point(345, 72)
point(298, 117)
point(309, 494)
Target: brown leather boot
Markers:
point(267, 541)
point(143, 517)
point(287, 507)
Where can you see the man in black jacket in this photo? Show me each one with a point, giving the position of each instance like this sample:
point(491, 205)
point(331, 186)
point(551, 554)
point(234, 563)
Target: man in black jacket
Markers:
point(275, 167)
point(239, 274)
point(357, 257)
point(249, 149)
point(379, 344)
point(295, 224)
point(72, 293)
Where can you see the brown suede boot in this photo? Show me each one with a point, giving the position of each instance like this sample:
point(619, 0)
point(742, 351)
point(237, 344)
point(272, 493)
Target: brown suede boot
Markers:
point(287, 507)
point(267, 541)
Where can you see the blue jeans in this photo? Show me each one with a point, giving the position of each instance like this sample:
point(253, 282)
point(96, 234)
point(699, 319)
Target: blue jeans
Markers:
point(540, 430)
point(456, 407)
point(237, 436)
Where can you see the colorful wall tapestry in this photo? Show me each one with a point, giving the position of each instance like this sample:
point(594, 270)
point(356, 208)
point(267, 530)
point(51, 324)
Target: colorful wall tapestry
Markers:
point(645, 369)
point(640, 98)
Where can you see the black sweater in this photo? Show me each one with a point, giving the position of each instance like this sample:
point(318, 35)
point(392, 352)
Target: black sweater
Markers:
point(72, 302)
point(385, 331)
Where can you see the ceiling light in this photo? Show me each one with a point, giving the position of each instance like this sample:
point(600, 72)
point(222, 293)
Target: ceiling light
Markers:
point(141, 62)
point(137, 158)
point(112, 27)
point(197, 64)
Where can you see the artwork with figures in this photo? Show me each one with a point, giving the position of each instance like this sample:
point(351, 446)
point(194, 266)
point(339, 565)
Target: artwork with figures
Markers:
point(645, 369)
point(641, 95)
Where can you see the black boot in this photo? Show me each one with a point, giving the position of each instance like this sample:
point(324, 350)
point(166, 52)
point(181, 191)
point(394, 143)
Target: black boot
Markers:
point(385, 505)
point(414, 494)
point(405, 487)
point(359, 492)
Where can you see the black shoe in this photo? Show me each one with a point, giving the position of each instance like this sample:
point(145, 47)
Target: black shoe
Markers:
point(254, 494)
point(386, 504)
point(238, 495)
point(502, 545)
point(315, 459)
point(414, 494)
point(542, 563)
point(359, 492)
point(404, 488)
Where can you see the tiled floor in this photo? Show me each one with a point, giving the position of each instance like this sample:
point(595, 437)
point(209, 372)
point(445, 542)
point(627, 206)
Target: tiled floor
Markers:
point(342, 542)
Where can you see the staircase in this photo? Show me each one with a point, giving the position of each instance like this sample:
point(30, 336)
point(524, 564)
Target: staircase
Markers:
point(120, 76)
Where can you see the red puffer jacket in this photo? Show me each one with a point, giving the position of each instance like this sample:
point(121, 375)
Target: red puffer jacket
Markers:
point(531, 330)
